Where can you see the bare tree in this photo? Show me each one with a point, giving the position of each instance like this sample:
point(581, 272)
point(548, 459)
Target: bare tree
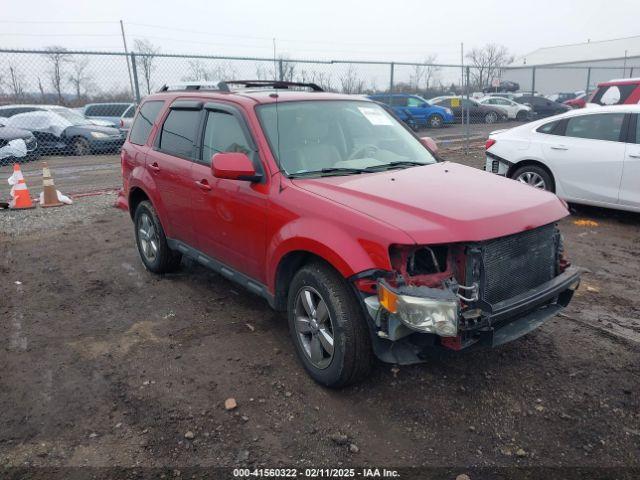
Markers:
point(148, 53)
point(487, 63)
point(41, 90)
point(350, 82)
point(286, 69)
point(57, 57)
point(197, 71)
point(14, 82)
point(424, 74)
point(79, 76)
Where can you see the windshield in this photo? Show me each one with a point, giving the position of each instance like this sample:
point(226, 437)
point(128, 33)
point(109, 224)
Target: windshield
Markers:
point(338, 137)
point(72, 117)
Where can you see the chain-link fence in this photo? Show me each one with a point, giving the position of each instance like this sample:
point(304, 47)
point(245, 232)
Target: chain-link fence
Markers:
point(80, 102)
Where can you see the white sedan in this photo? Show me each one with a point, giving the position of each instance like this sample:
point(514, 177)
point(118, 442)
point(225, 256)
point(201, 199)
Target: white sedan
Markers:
point(514, 110)
point(587, 156)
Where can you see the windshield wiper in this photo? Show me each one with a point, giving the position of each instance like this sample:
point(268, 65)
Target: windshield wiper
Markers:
point(389, 166)
point(331, 170)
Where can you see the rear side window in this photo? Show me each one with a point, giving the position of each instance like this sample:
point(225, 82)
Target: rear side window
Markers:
point(129, 112)
point(223, 133)
point(603, 126)
point(106, 110)
point(399, 101)
point(144, 122)
point(549, 128)
point(179, 132)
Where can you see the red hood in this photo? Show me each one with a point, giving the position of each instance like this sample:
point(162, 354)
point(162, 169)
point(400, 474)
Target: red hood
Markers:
point(442, 203)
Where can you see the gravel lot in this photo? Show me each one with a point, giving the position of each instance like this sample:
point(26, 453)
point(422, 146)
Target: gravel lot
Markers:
point(105, 364)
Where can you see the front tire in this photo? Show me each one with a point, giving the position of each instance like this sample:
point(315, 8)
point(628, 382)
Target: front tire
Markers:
point(328, 327)
point(152, 244)
point(534, 176)
point(80, 147)
point(435, 121)
point(521, 116)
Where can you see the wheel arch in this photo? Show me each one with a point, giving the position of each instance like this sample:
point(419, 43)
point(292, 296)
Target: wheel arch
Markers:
point(136, 196)
point(537, 163)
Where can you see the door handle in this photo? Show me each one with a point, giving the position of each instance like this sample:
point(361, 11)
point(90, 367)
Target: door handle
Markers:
point(559, 147)
point(203, 185)
point(634, 155)
point(154, 167)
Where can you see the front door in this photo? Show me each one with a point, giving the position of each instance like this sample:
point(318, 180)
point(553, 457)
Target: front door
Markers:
point(230, 215)
point(587, 161)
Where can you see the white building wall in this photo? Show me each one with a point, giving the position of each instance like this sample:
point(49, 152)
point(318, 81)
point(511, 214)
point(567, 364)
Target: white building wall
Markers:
point(571, 76)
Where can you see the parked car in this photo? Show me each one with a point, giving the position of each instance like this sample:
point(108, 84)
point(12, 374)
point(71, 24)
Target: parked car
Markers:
point(578, 102)
point(417, 108)
point(16, 145)
point(623, 91)
point(478, 113)
point(64, 131)
point(7, 111)
point(564, 96)
point(330, 209)
point(542, 107)
point(589, 156)
point(504, 86)
point(514, 110)
point(108, 112)
point(127, 118)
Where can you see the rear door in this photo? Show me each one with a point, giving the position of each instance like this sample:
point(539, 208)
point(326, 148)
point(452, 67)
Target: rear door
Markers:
point(587, 157)
point(229, 215)
point(170, 163)
point(630, 185)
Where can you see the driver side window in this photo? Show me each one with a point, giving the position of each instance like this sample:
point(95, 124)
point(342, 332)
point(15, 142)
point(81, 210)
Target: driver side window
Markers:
point(414, 102)
point(223, 133)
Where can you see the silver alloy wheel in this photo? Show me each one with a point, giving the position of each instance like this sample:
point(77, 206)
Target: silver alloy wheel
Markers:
point(148, 237)
point(491, 118)
point(435, 121)
point(532, 179)
point(314, 327)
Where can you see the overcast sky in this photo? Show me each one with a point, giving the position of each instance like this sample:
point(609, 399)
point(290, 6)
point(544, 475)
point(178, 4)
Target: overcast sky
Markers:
point(401, 30)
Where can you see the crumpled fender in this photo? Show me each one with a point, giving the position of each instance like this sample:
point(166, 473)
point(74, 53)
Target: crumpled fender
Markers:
point(329, 241)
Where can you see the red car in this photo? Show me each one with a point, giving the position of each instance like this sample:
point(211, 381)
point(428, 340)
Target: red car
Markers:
point(332, 210)
point(623, 91)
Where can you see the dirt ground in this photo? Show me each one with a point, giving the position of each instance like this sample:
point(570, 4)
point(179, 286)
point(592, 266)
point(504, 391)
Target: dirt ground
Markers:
point(103, 364)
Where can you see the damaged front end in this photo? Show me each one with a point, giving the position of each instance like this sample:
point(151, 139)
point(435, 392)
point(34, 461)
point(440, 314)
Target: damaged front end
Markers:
point(460, 295)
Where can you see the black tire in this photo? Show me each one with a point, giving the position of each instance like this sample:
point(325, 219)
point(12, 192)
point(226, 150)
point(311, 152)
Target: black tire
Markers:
point(352, 355)
point(535, 170)
point(165, 259)
point(80, 146)
point(435, 121)
point(491, 117)
point(521, 116)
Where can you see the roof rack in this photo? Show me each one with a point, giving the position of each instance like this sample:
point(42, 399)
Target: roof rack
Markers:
point(277, 84)
point(219, 86)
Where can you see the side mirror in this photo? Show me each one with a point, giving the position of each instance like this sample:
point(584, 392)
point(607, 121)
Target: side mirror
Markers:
point(234, 166)
point(430, 143)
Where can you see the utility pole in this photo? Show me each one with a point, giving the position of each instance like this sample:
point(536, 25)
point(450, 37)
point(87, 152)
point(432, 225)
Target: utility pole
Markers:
point(624, 67)
point(126, 54)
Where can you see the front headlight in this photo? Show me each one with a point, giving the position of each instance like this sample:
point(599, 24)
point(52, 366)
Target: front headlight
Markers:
point(99, 135)
point(427, 315)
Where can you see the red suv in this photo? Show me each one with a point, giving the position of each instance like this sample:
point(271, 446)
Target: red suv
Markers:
point(332, 210)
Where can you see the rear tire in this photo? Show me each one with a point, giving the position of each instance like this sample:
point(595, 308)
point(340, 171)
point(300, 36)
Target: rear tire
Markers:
point(535, 176)
point(152, 244)
point(521, 116)
point(491, 117)
point(340, 319)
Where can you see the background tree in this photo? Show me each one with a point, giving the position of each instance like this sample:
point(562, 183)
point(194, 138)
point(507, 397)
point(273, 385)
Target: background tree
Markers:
point(79, 76)
point(350, 82)
point(424, 75)
point(487, 63)
point(14, 83)
point(57, 58)
point(147, 60)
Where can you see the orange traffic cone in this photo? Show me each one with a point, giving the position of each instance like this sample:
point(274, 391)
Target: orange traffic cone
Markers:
point(20, 197)
point(49, 193)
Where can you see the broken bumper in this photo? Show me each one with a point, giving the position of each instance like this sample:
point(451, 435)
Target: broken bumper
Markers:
point(501, 323)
